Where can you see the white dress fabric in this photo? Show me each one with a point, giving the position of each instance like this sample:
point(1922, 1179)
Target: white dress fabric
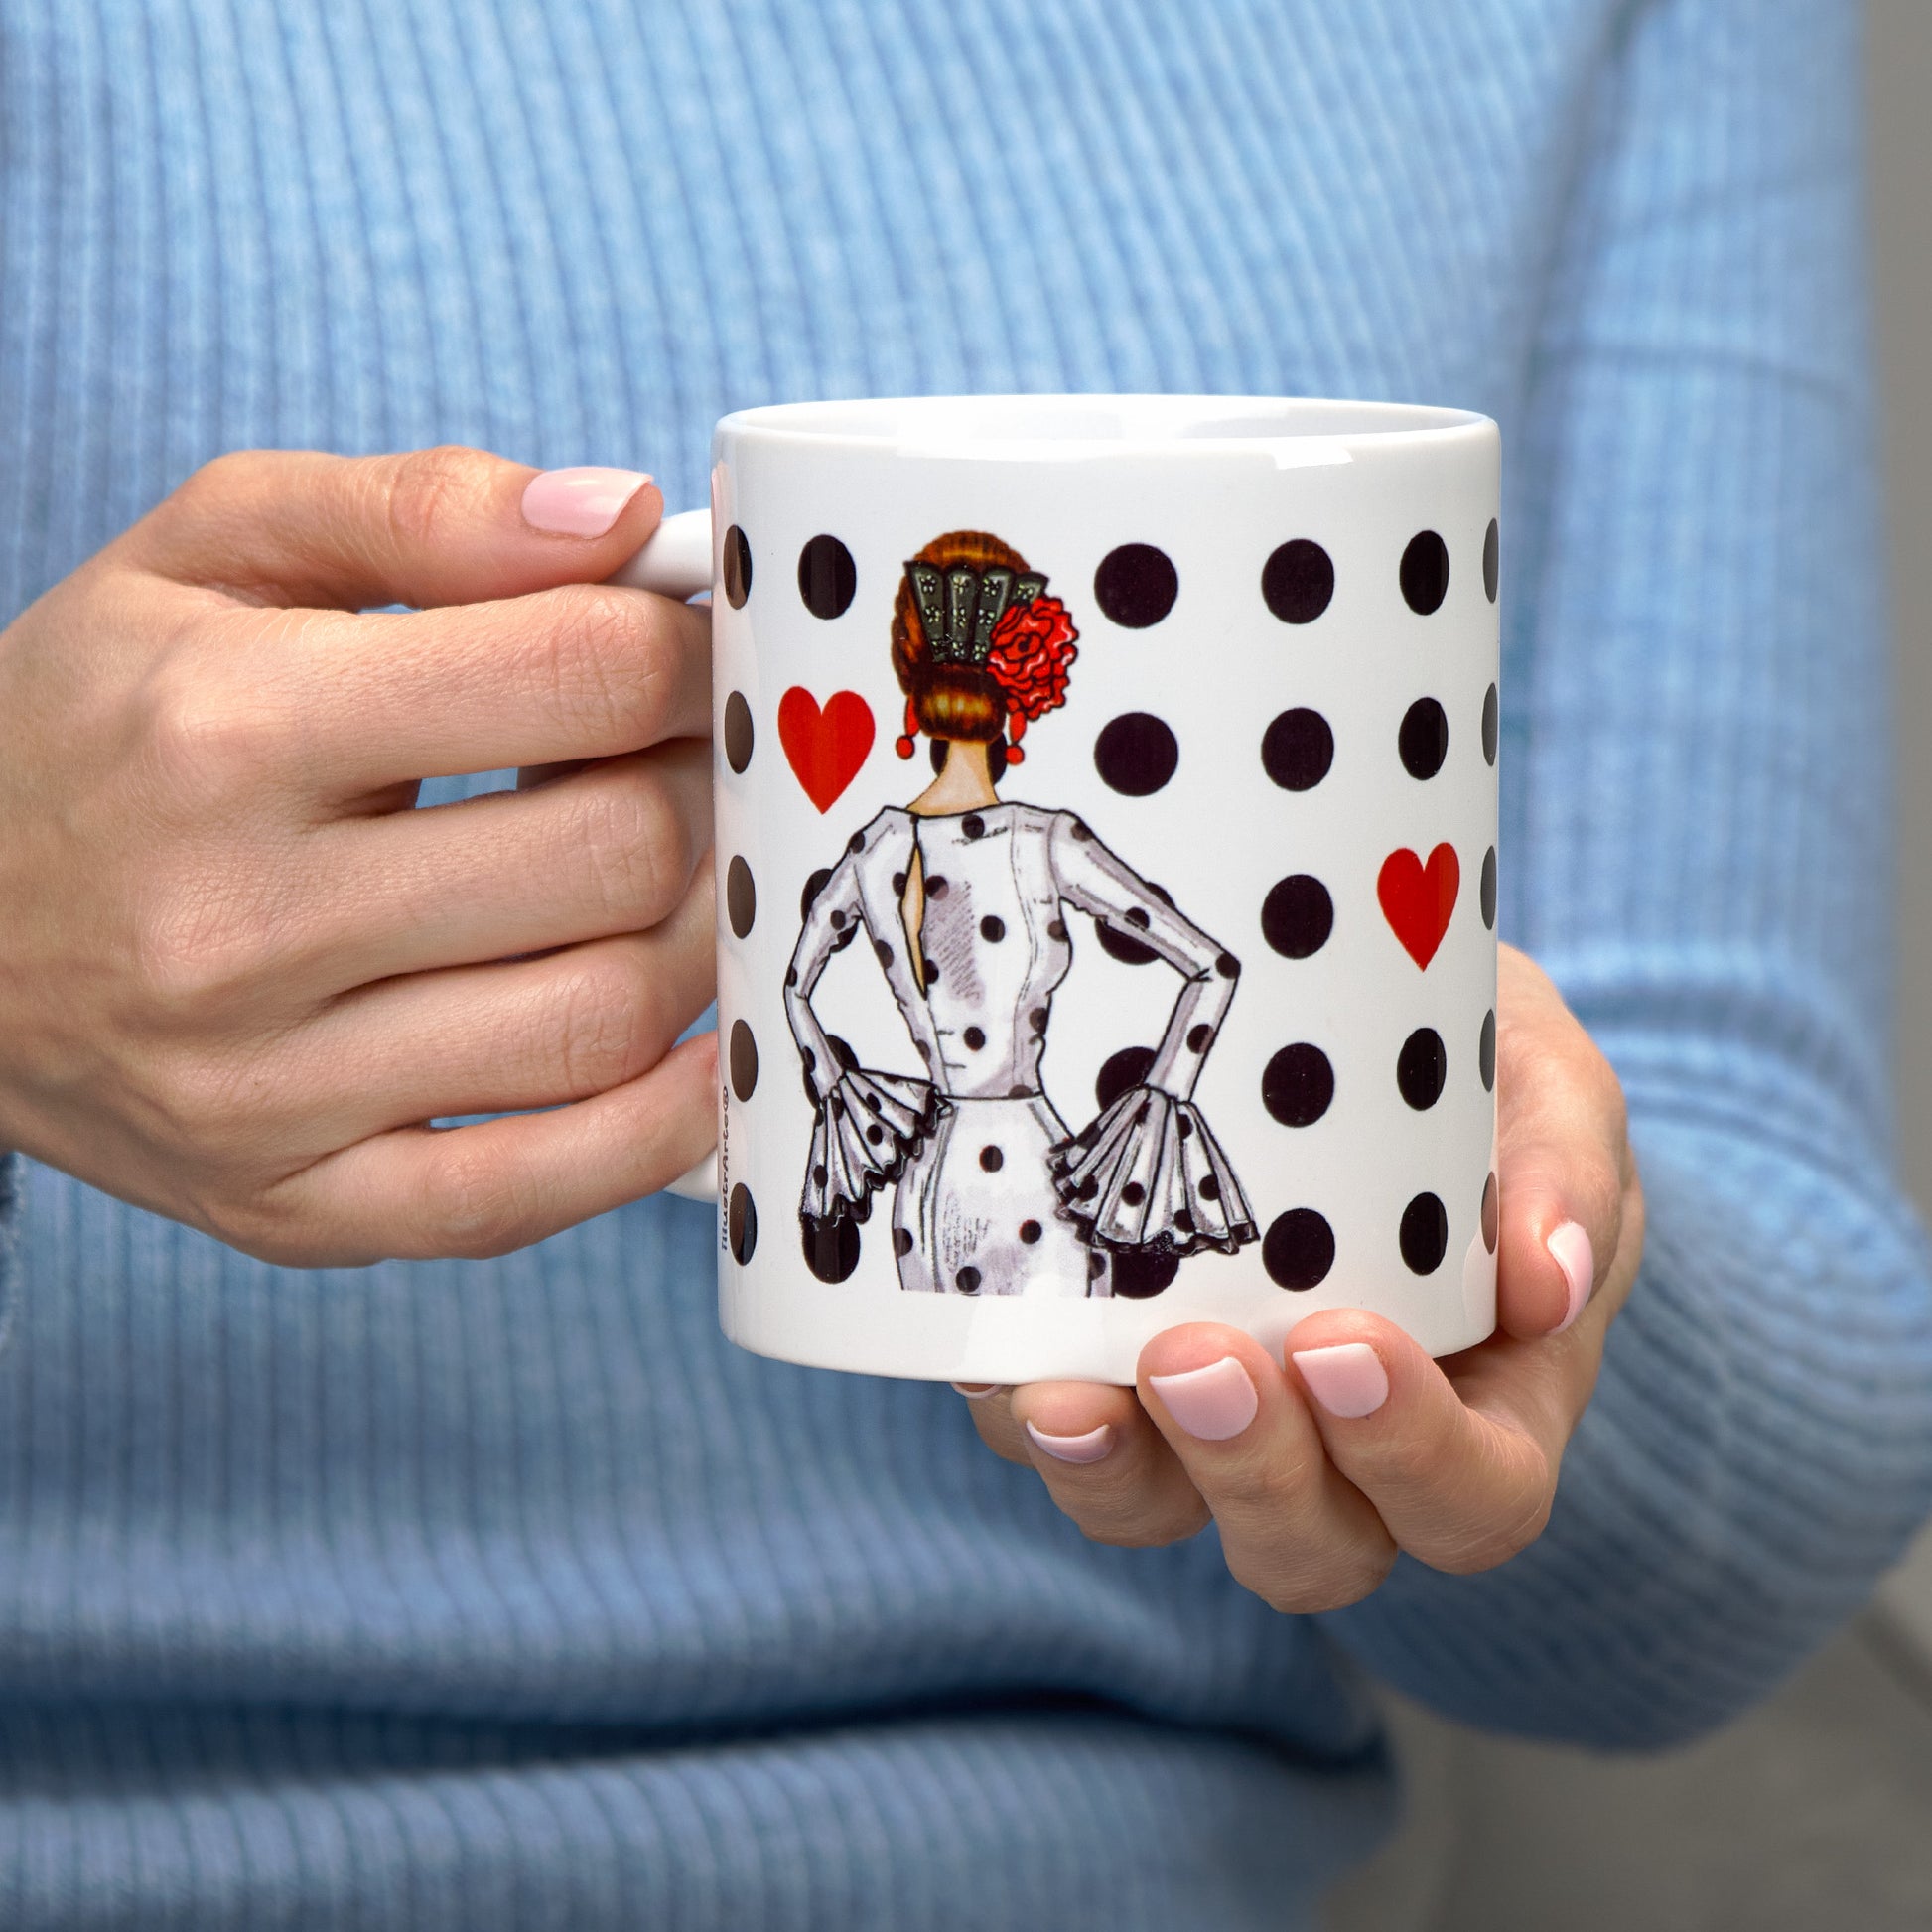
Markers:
point(994, 1195)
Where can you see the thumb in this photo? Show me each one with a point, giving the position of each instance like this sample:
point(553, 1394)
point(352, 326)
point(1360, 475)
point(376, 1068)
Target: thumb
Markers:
point(1562, 1154)
point(448, 525)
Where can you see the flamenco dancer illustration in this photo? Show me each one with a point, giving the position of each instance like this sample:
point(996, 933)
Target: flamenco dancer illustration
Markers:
point(962, 899)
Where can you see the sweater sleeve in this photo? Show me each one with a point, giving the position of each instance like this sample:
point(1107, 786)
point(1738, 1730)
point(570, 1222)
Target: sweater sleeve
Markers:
point(1697, 808)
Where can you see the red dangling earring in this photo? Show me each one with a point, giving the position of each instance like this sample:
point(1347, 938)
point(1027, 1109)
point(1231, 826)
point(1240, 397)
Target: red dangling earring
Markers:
point(903, 745)
point(1015, 730)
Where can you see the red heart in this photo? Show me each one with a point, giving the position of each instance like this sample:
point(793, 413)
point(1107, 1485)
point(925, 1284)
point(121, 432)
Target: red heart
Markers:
point(1416, 900)
point(825, 748)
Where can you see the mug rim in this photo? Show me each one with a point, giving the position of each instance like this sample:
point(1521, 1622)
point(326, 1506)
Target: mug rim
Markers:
point(1291, 429)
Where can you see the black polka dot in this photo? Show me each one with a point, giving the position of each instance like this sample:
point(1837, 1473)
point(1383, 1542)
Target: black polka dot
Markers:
point(968, 1280)
point(898, 883)
point(1298, 580)
point(827, 576)
point(1029, 1232)
point(1019, 1092)
point(744, 1060)
point(791, 975)
point(1424, 1234)
point(842, 1052)
point(1137, 917)
point(1127, 1068)
point(932, 974)
point(1423, 739)
point(1183, 1221)
point(1228, 966)
point(741, 1224)
point(838, 921)
point(902, 1242)
point(885, 953)
point(740, 898)
point(813, 887)
point(855, 843)
point(1132, 1194)
point(1136, 753)
point(1298, 748)
point(1425, 572)
point(1115, 943)
point(991, 1159)
point(1096, 1266)
point(1298, 1249)
point(1087, 1188)
point(1199, 1035)
point(875, 1133)
point(1488, 889)
point(1209, 1187)
point(1486, 1052)
point(818, 1173)
point(937, 886)
point(1490, 721)
point(1057, 931)
point(1492, 552)
point(1142, 1272)
point(1490, 1197)
point(737, 732)
point(737, 569)
point(1082, 832)
point(972, 825)
point(1421, 1068)
point(991, 930)
point(832, 1253)
point(1136, 586)
point(1298, 1084)
point(1298, 915)
point(974, 1038)
point(1037, 1019)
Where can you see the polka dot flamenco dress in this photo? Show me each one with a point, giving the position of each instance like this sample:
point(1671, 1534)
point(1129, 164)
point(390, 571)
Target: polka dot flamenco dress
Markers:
point(993, 1194)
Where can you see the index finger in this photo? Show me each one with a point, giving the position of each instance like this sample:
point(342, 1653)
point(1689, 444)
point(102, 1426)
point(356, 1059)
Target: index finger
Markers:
point(582, 671)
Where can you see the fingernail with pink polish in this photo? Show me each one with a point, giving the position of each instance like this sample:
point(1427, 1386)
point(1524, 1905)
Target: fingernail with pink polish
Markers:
point(977, 1391)
point(580, 502)
point(1089, 1447)
point(1347, 1380)
point(1571, 1250)
point(1212, 1403)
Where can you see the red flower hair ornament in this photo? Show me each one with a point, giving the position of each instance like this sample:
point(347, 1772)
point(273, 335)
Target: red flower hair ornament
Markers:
point(1032, 645)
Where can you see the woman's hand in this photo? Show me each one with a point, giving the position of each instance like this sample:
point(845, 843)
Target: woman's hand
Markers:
point(239, 973)
point(1318, 1475)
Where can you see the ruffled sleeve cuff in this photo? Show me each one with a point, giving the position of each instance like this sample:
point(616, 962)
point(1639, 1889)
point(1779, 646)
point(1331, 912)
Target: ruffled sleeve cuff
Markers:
point(1148, 1176)
point(869, 1126)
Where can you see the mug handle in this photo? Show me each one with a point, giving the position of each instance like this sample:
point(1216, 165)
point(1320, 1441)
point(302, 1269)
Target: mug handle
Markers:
point(676, 562)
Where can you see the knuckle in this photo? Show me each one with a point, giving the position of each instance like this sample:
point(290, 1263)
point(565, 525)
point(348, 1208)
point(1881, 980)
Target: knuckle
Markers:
point(1304, 1588)
point(199, 950)
point(220, 486)
point(1135, 1527)
point(1489, 1544)
point(638, 845)
point(204, 740)
point(606, 665)
point(477, 1207)
point(606, 1029)
point(424, 491)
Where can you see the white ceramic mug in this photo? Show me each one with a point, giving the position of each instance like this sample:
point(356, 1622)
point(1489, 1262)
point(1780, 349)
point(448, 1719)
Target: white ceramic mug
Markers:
point(1106, 818)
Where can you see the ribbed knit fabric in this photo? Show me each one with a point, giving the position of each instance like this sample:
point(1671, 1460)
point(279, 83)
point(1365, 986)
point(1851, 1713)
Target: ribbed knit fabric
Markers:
point(508, 1595)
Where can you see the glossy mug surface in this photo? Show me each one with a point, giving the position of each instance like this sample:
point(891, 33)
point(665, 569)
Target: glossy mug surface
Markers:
point(1177, 1001)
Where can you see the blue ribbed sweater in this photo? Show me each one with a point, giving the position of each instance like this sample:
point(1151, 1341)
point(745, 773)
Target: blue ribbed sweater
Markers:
point(506, 1594)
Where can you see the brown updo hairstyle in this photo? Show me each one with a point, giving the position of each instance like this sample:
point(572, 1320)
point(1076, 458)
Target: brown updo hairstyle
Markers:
point(950, 700)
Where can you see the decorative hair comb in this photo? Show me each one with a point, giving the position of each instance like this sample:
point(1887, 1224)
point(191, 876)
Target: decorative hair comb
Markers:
point(959, 607)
